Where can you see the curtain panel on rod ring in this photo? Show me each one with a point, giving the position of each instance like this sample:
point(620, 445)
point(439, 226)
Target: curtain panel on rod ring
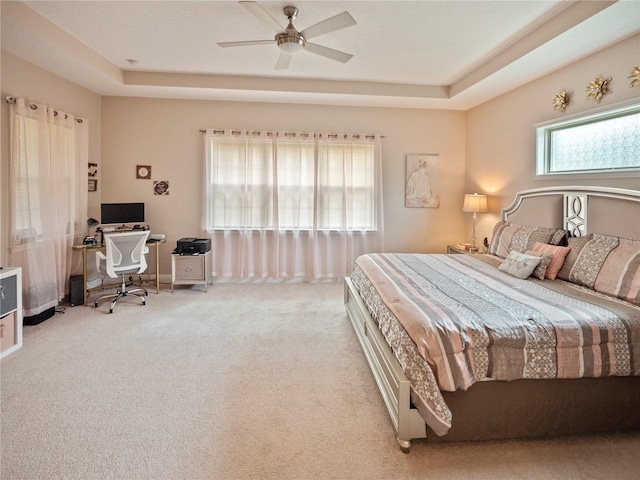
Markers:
point(291, 204)
point(48, 188)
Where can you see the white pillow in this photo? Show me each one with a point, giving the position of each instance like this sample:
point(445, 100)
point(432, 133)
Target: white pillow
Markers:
point(519, 265)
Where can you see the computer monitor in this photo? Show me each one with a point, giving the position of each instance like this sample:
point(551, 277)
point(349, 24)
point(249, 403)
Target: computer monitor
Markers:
point(121, 213)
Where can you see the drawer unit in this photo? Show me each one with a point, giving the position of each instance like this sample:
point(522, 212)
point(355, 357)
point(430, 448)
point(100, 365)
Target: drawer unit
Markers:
point(190, 269)
point(8, 332)
point(10, 310)
point(8, 294)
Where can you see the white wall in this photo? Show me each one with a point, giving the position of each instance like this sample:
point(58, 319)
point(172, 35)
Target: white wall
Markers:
point(22, 79)
point(488, 149)
point(500, 155)
point(164, 133)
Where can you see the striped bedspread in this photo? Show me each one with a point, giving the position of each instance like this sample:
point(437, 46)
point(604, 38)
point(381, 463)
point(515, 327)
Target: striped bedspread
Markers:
point(453, 320)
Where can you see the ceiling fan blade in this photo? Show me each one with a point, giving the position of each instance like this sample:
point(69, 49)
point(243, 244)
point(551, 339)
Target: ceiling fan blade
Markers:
point(342, 20)
point(328, 52)
point(262, 15)
point(283, 61)
point(246, 43)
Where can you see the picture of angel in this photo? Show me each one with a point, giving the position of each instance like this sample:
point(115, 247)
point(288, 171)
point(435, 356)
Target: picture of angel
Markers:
point(422, 181)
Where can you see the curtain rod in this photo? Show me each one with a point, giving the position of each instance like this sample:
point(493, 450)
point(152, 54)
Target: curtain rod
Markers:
point(33, 106)
point(288, 134)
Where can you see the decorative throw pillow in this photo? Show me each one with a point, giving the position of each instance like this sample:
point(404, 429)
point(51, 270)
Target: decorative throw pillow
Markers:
point(575, 244)
point(590, 260)
point(512, 236)
point(519, 265)
point(559, 237)
point(559, 255)
point(620, 272)
point(501, 239)
point(545, 260)
point(527, 235)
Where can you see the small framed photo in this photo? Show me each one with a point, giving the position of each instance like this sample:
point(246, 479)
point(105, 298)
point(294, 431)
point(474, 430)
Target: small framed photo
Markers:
point(161, 187)
point(93, 185)
point(93, 169)
point(143, 172)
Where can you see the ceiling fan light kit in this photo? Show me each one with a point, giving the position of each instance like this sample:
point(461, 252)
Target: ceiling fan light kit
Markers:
point(290, 41)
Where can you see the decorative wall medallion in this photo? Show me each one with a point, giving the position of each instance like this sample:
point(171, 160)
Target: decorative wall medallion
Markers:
point(634, 76)
point(143, 171)
point(597, 88)
point(161, 187)
point(562, 100)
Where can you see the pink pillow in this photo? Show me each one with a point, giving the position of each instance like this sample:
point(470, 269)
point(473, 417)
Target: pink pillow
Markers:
point(559, 254)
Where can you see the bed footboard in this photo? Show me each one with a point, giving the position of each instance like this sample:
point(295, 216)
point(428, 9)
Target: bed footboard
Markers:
point(391, 380)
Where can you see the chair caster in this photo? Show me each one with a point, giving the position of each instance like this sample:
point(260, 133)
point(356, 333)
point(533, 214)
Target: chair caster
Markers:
point(144, 302)
point(111, 310)
point(95, 304)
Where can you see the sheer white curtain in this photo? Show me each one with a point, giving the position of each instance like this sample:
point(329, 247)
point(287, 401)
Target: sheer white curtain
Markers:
point(49, 157)
point(291, 204)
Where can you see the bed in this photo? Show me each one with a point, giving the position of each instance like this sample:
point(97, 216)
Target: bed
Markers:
point(468, 347)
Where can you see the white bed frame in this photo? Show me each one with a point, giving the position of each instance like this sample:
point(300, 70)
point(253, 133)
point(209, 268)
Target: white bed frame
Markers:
point(392, 382)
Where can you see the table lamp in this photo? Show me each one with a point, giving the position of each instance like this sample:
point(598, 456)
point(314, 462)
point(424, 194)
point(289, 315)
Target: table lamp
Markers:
point(477, 204)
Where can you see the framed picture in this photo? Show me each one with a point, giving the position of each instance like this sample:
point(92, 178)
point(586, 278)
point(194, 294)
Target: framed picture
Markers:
point(422, 180)
point(161, 187)
point(93, 185)
point(93, 169)
point(143, 172)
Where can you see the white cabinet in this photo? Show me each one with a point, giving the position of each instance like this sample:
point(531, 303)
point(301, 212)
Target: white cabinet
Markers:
point(10, 310)
point(190, 269)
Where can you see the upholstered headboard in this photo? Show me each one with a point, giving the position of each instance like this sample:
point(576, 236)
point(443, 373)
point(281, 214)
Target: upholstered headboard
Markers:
point(581, 210)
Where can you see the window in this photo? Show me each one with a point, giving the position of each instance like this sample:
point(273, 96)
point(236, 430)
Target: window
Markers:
point(603, 142)
point(33, 140)
point(291, 183)
point(341, 165)
point(27, 221)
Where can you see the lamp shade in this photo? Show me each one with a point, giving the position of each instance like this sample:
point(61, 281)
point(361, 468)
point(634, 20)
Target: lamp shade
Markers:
point(475, 203)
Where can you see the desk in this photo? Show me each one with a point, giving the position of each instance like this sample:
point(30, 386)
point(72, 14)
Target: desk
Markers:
point(100, 247)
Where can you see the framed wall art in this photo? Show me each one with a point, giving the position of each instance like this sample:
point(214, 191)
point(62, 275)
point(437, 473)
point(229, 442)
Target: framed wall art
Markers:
point(161, 187)
point(93, 185)
point(93, 169)
point(143, 172)
point(422, 180)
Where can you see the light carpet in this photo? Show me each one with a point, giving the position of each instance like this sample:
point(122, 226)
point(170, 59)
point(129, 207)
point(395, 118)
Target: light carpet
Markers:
point(245, 381)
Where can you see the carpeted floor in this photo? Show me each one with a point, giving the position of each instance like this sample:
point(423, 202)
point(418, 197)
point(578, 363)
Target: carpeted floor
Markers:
point(245, 381)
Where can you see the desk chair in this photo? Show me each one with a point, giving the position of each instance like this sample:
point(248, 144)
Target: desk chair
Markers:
point(125, 254)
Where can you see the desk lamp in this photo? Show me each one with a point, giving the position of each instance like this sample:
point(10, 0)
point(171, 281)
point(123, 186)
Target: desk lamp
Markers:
point(477, 204)
point(92, 222)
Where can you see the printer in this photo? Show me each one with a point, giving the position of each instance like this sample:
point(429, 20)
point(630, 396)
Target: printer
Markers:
point(193, 246)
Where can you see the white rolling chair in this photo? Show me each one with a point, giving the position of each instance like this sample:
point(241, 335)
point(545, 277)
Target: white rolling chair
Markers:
point(125, 254)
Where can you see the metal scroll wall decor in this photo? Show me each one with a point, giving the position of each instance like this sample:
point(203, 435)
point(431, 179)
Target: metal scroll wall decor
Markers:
point(562, 100)
point(598, 88)
point(634, 76)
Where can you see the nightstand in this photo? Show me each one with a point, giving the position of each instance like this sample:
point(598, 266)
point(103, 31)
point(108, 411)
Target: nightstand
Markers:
point(456, 249)
point(190, 269)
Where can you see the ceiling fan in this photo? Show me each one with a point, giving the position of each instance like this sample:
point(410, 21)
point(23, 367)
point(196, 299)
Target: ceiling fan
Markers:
point(290, 41)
